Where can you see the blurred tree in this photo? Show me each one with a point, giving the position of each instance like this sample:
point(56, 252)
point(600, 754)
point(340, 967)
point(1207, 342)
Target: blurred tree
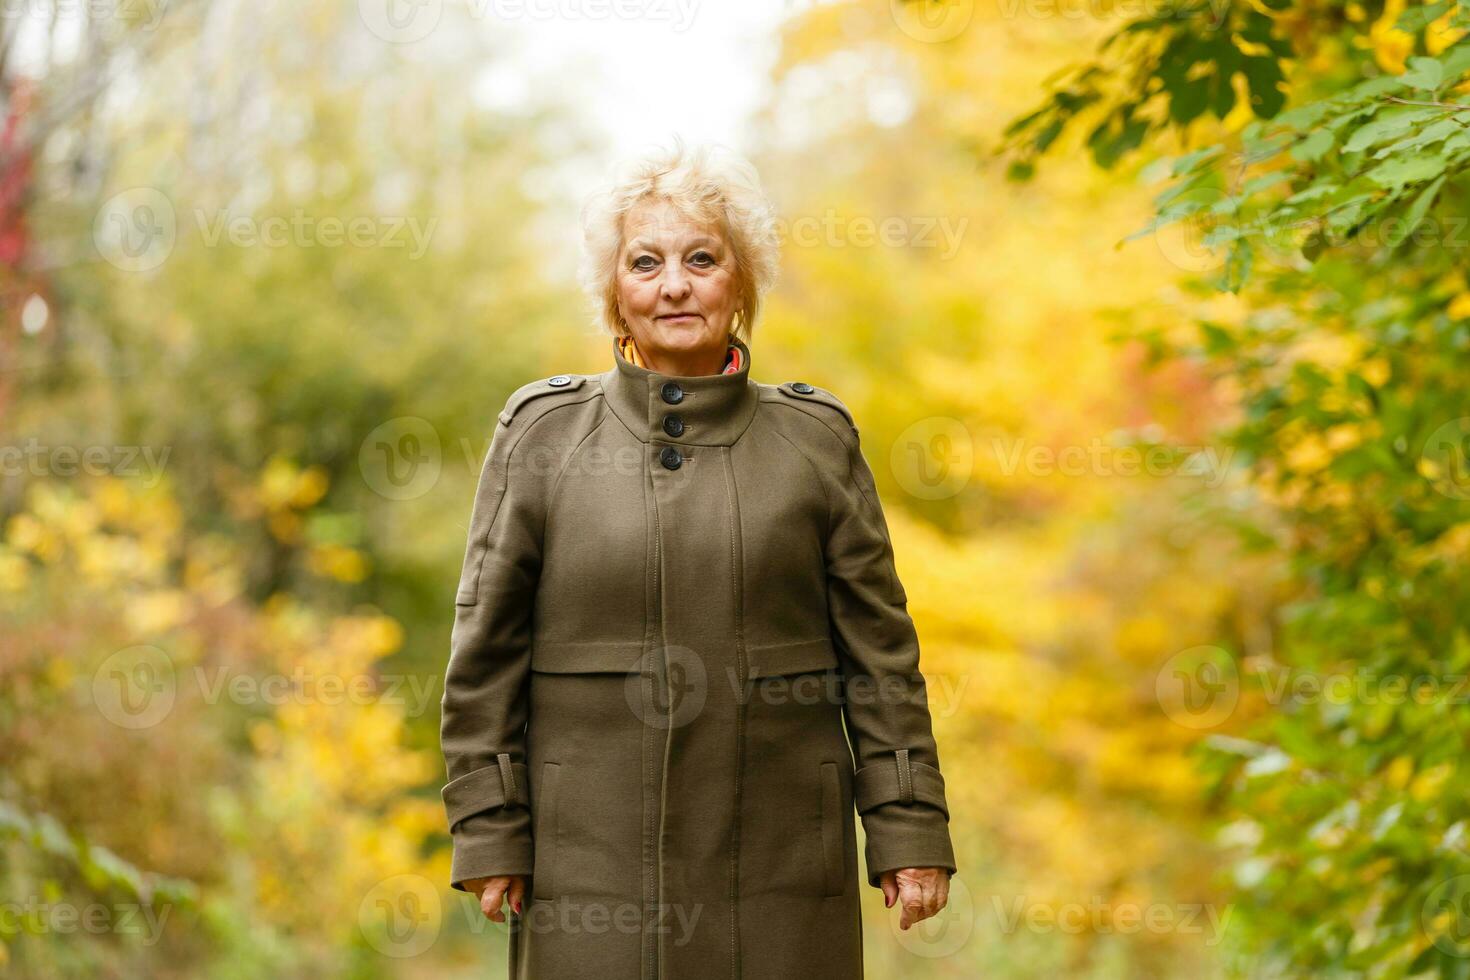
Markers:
point(1333, 201)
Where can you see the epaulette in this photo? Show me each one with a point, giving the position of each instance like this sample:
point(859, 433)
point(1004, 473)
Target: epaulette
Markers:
point(802, 391)
point(554, 385)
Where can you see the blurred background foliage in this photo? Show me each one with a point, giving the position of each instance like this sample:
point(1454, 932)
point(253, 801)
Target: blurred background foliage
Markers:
point(1135, 492)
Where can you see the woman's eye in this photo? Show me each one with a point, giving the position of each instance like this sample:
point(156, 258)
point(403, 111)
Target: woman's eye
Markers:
point(703, 258)
point(638, 262)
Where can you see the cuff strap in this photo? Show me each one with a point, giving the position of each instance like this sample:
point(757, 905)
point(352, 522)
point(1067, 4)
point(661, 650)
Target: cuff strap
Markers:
point(502, 784)
point(898, 781)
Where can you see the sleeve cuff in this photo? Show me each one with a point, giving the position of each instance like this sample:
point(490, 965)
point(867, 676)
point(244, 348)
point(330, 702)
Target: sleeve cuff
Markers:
point(489, 844)
point(503, 784)
point(900, 780)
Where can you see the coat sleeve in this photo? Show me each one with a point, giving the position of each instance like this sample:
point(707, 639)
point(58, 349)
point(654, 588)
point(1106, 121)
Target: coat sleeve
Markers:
point(898, 788)
point(482, 732)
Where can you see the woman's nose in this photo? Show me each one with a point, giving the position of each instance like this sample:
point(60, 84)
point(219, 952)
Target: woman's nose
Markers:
point(675, 284)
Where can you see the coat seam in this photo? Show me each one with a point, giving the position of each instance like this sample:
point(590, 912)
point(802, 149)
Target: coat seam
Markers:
point(737, 581)
point(504, 489)
point(556, 483)
point(817, 471)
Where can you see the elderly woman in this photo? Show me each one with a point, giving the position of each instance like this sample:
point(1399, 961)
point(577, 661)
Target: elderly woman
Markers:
point(677, 623)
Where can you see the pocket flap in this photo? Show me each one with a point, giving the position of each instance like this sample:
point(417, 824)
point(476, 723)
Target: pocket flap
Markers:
point(801, 657)
point(593, 657)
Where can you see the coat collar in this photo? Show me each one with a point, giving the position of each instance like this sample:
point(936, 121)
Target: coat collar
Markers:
point(715, 408)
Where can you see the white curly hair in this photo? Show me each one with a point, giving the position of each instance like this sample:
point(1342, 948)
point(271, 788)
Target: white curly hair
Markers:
point(708, 183)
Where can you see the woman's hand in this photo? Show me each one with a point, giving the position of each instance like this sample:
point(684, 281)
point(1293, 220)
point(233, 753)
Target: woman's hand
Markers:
point(920, 892)
point(494, 890)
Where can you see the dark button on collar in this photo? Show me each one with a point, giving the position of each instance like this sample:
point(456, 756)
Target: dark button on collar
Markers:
point(671, 458)
point(559, 380)
point(673, 425)
point(672, 393)
point(802, 387)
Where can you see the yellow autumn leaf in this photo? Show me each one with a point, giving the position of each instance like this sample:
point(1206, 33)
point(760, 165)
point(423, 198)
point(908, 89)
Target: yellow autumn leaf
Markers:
point(1459, 307)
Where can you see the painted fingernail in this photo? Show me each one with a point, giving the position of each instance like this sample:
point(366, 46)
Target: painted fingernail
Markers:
point(517, 905)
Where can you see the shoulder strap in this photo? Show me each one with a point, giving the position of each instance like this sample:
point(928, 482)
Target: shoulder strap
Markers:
point(801, 391)
point(556, 384)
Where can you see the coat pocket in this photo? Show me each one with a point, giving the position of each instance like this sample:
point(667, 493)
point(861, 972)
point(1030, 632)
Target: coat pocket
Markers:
point(834, 871)
point(544, 834)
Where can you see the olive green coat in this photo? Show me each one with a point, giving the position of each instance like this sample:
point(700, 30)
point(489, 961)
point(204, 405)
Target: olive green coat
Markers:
point(674, 593)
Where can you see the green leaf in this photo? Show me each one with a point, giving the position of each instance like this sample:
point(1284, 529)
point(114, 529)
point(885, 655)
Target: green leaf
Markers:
point(1406, 170)
point(1424, 73)
point(1189, 161)
point(1388, 125)
point(1417, 210)
point(1312, 148)
point(1415, 19)
point(1303, 116)
point(1456, 59)
point(1264, 76)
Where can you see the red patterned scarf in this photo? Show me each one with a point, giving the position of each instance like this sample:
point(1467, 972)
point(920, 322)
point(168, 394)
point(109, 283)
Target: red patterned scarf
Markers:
point(629, 351)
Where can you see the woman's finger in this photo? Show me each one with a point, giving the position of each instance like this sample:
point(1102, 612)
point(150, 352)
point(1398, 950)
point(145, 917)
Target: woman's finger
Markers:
point(517, 894)
point(890, 889)
point(491, 899)
point(911, 896)
point(929, 888)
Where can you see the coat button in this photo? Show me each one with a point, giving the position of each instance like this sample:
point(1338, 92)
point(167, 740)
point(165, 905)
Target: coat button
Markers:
point(671, 458)
point(672, 393)
point(673, 425)
point(559, 380)
point(802, 387)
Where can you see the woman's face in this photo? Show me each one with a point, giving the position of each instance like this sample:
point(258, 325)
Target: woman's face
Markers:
point(676, 282)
